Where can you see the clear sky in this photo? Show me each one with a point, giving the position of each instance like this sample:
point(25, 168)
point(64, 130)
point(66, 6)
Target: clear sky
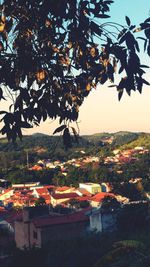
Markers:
point(101, 111)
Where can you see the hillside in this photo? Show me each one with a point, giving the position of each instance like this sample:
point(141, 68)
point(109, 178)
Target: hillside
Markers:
point(50, 143)
point(118, 138)
point(142, 140)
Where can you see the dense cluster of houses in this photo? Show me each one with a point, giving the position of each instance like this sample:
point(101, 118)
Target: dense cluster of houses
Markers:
point(35, 225)
point(125, 156)
point(120, 157)
point(23, 195)
point(36, 214)
point(77, 162)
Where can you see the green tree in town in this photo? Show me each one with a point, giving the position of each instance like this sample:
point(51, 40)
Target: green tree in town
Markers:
point(40, 201)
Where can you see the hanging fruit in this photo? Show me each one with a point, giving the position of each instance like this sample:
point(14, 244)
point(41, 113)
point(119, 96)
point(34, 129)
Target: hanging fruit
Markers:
point(40, 75)
point(93, 52)
point(2, 23)
point(88, 87)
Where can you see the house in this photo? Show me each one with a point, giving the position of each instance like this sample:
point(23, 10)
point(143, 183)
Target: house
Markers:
point(64, 189)
point(6, 194)
point(106, 187)
point(103, 221)
point(42, 192)
point(37, 231)
point(57, 199)
point(21, 198)
point(83, 192)
point(36, 168)
point(96, 200)
point(91, 187)
point(25, 185)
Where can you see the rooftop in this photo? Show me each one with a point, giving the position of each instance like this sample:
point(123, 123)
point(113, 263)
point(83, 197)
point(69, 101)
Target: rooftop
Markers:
point(64, 219)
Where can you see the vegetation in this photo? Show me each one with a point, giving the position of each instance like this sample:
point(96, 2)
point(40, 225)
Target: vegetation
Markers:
point(40, 201)
point(53, 53)
point(13, 161)
point(124, 249)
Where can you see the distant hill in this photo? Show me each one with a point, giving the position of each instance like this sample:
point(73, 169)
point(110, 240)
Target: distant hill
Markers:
point(39, 140)
point(118, 138)
point(40, 135)
point(143, 139)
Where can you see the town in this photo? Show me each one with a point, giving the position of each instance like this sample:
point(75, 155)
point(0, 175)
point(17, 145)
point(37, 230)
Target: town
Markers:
point(81, 199)
point(74, 201)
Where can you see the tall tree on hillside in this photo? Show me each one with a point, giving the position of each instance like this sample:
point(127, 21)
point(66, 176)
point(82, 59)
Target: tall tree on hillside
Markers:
point(53, 53)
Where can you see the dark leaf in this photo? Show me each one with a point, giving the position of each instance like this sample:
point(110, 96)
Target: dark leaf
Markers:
point(148, 49)
point(145, 46)
point(3, 112)
point(1, 94)
point(132, 27)
point(137, 46)
point(120, 94)
point(128, 21)
point(103, 16)
point(24, 124)
point(110, 86)
point(147, 20)
point(96, 28)
point(122, 39)
point(144, 26)
point(122, 33)
point(146, 82)
point(144, 66)
point(60, 129)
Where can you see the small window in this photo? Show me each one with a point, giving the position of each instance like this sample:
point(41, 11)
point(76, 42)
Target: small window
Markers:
point(34, 234)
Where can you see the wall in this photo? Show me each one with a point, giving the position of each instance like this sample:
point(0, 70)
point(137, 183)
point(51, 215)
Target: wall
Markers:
point(95, 222)
point(63, 232)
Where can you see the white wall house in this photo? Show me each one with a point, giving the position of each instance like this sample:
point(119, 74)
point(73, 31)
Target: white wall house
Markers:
point(91, 187)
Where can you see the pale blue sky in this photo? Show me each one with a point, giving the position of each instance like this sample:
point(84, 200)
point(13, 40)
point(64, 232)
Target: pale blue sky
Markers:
point(101, 111)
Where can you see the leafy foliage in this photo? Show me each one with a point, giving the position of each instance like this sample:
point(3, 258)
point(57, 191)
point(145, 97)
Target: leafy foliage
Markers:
point(52, 53)
point(40, 201)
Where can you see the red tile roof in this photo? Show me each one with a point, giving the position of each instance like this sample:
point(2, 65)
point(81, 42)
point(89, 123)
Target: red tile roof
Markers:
point(83, 198)
point(63, 188)
point(100, 196)
point(6, 191)
point(49, 186)
point(64, 219)
point(42, 191)
point(36, 168)
point(65, 195)
point(84, 192)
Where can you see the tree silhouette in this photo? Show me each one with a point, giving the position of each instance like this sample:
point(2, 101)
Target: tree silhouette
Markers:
point(52, 53)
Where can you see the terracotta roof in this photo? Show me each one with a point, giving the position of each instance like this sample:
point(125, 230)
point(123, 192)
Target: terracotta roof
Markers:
point(63, 188)
point(64, 219)
point(36, 168)
point(42, 191)
point(49, 186)
point(100, 196)
point(6, 191)
point(65, 195)
point(84, 192)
